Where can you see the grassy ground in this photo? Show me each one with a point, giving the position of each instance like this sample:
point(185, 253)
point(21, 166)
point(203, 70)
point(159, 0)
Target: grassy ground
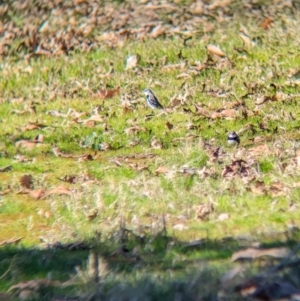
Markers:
point(115, 175)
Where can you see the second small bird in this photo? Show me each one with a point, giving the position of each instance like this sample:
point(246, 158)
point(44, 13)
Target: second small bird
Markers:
point(152, 100)
point(233, 138)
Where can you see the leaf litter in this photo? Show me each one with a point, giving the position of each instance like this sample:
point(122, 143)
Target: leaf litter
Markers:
point(45, 40)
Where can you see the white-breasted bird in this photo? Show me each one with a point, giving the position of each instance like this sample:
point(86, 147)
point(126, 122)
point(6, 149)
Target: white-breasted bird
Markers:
point(152, 100)
point(233, 138)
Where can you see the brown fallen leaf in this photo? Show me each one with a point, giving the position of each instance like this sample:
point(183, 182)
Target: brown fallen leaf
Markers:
point(90, 123)
point(17, 100)
point(138, 167)
point(219, 93)
point(236, 168)
point(44, 214)
point(41, 51)
point(216, 115)
point(162, 169)
point(219, 3)
point(134, 157)
point(246, 39)
point(30, 144)
point(95, 118)
point(169, 125)
point(21, 158)
point(175, 102)
point(32, 126)
point(37, 194)
point(104, 146)
point(224, 64)
point(47, 214)
point(258, 139)
point(26, 181)
point(61, 190)
point(6, 168)
point(223, 217)
point(189, 171)
point(58, 153)
point(11, 241)
point(92, 214)
point(258, 187)
point(234, 104)
point(266, 24)
point(277, 189)
point(259, 288)
point(157, 31)
point(126, 104)
point(259, 150)
point(215, 50)
point(69, 179)
point(34, 285)
point(196, 8)
point(228, 172)
point(6, 191)
point(132, 61)
point(180, 227)
point(183, 75)
point(297, 157)
point(27, 144)
point(171, 67)
point(201, 111)
point(253, 253)
point(104, 94)
point(227, 113)
point(56, 113)
point(203, 211)
point(155, 143)
point(87, 157)
point(30, 109)
point(134, 130)
point(276, 97)
point(117, 162)
point(264, 126)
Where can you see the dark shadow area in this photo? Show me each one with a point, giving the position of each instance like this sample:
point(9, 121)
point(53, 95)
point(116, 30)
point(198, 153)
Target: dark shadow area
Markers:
point(156, 266)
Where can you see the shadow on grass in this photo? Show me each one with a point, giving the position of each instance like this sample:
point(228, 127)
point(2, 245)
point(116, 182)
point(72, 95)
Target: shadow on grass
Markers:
point(155, 267)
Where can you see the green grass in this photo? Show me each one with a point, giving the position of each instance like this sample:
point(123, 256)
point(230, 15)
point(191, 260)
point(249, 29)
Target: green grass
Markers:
point(135, 204)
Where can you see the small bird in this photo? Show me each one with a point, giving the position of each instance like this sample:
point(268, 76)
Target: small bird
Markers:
point(152, 100)
point(233, 138)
